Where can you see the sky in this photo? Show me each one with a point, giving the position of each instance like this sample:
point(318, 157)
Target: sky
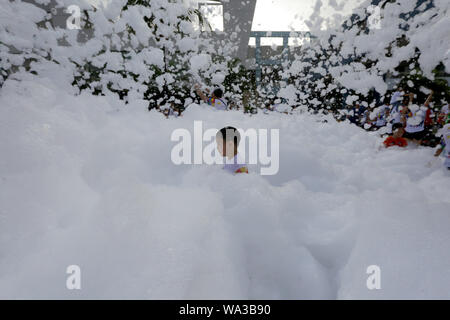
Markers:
point(286, 15)
point(281, 15)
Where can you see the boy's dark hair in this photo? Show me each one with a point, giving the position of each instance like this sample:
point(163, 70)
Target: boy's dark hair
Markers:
point(218, 93)
point(396, 126)
point(405, 100)
point(229, 134)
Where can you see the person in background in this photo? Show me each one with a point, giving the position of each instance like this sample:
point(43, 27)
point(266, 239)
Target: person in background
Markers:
point(414, 119)
point(382, 114)
point(429, 138)
point(395, 115)
point(443, 114)
point(216, 100)
point(361, 112)
point(397, 137)
point(352, 115)
point(369, 119)
point(445, 145)
point(396, 99)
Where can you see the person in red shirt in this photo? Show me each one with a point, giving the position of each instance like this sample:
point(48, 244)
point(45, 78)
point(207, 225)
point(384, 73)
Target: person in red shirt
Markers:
point(429, 118)
point(396, 139)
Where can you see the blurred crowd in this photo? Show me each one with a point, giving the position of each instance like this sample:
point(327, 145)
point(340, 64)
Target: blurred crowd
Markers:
point(400, 117)
point(404, 120)
point(416, 121)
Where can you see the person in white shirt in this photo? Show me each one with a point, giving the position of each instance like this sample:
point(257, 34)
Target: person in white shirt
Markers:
point(445, 109)
point(445, 145)
point(395, 116)
point(443, 114)
point(382, 114)
point(414, 119)
point(397, 98)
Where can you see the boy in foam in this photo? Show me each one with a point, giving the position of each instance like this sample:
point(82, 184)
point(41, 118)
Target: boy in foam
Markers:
point(228, 139)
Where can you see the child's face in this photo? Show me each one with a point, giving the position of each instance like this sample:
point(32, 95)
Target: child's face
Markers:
point(226, 149)
point(398, 133)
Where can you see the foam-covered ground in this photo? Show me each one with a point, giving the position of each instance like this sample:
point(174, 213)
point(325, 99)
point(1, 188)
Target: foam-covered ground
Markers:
point(88, 181)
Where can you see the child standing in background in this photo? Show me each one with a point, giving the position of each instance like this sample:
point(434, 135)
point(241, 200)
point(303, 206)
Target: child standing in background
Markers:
point(445, 145)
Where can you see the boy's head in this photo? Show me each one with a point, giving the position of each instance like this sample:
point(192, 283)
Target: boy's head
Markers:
point(217, 93)
point(405, 100)
point(228, 139)
point(397, 130)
